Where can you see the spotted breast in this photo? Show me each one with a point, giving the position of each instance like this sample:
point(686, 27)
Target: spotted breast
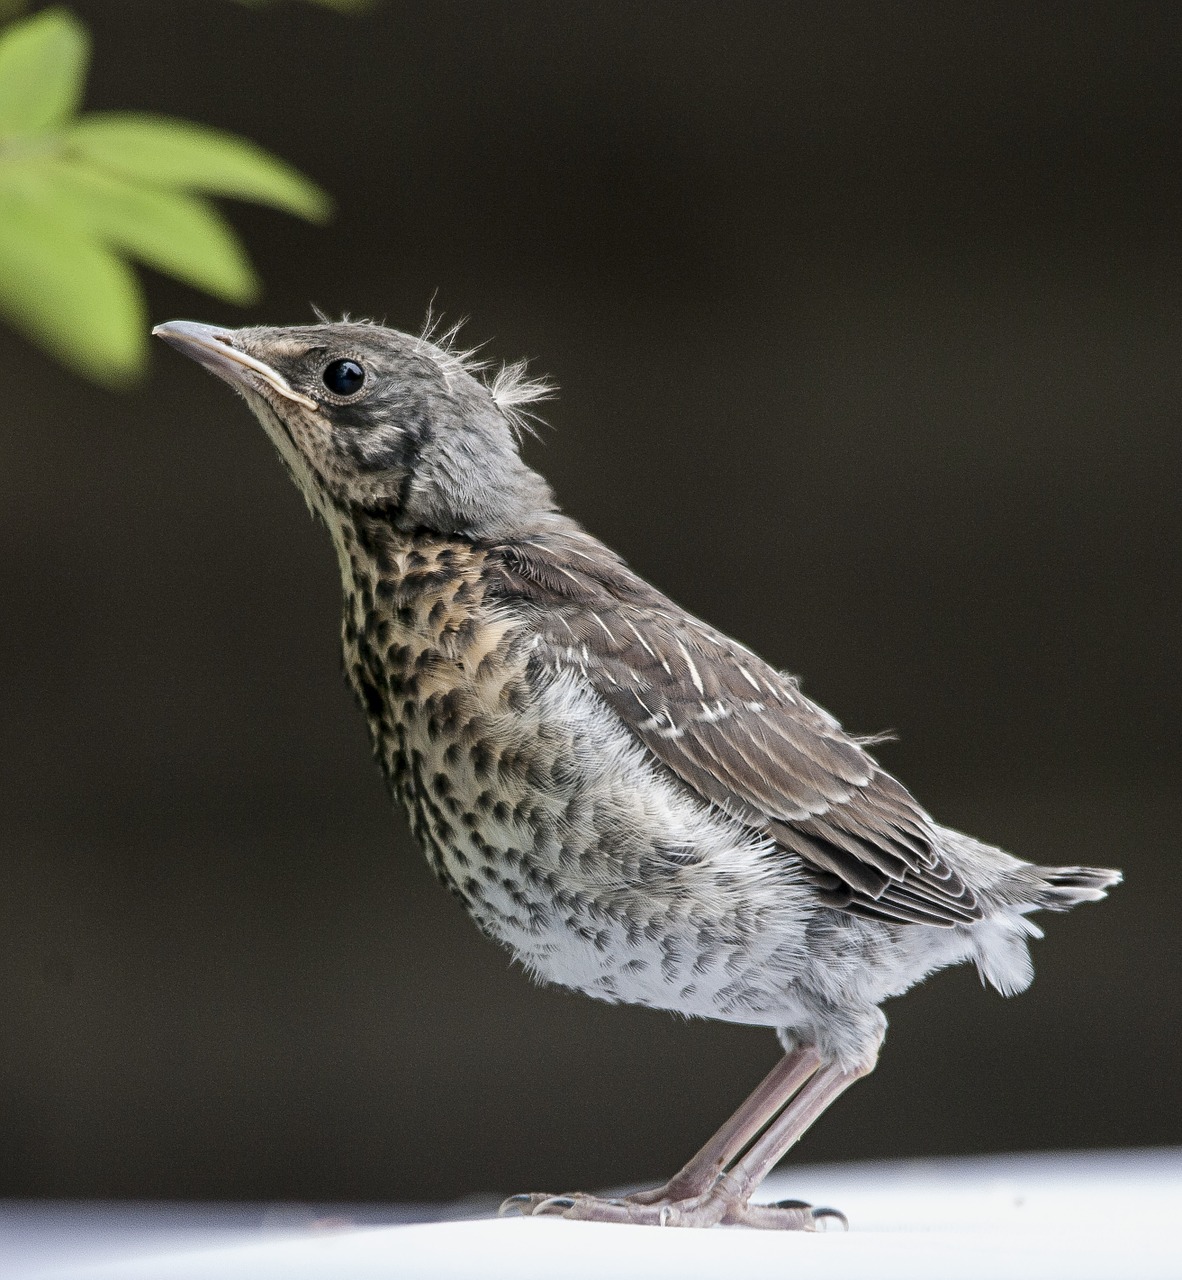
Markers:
point(563, 837)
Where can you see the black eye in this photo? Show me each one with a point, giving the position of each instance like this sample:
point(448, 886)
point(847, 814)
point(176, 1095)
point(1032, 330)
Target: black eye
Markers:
point(344, 377)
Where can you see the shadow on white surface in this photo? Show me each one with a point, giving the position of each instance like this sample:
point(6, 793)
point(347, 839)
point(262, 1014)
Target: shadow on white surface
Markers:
point(1084, 1216)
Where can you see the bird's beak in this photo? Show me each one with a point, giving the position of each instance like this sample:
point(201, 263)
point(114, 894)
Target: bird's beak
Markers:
point(214, 348)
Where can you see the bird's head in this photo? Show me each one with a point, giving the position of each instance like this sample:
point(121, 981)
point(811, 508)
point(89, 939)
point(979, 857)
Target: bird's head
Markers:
point(370, 420)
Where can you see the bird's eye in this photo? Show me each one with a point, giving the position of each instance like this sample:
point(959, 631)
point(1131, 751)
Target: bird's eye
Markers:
point(344, 377)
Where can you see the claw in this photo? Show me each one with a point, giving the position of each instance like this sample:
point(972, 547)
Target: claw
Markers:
point(517, 1203)
point(822, 1214)
point(552, 1203)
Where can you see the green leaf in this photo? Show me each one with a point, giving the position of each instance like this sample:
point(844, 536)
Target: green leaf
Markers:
point(174, 153)
point(179, 234)
point(42, 72)
point(70, 295)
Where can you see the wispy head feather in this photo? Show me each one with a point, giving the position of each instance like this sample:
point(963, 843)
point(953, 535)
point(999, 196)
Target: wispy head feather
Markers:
point(456, 359)
point(345, 318)
point(513, 391)
point(511, 388)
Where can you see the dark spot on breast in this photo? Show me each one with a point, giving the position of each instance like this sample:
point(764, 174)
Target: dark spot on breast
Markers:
point(517, 696)
point(399, 655)
point(449, 707)
point(467, 633)
point(509, 762)
point(429, 581)
point(371, 698)
point(536, 774)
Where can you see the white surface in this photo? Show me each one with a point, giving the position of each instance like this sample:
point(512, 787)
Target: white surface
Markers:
point(1091, 1216)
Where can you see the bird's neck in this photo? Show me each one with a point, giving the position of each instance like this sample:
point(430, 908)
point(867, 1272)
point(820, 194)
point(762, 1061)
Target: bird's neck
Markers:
point(386, 572)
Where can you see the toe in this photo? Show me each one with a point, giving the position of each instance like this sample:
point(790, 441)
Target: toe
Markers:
point(787, 1215)
point(524, 1204)
point(553, 1205)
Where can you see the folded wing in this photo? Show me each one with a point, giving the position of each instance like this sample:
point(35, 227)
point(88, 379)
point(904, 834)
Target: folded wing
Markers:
point(741, 734)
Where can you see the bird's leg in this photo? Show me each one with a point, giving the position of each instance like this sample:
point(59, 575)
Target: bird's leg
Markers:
point(700, 1174)
point(725, 1193)
point(698, 1194)
point(762, 1105)
point(736, 1186)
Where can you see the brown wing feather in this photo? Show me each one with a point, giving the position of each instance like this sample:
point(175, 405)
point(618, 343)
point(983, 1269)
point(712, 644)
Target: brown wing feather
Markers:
point(739, 733)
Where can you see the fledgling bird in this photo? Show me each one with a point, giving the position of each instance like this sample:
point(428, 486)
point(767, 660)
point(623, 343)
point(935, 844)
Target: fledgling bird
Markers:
point(637, 806)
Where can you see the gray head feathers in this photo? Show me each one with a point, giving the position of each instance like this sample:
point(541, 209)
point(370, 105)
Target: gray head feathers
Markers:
point(370, 420)
point(511, 388)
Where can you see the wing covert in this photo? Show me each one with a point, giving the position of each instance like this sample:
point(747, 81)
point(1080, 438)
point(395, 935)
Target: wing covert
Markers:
point(741, 734)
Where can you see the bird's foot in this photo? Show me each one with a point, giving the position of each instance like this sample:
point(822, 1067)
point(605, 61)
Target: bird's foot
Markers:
point(708, 1210)
point(695, 1212)
point(785, 1215)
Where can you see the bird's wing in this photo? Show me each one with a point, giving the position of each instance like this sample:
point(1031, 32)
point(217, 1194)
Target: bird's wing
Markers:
point(741, 734)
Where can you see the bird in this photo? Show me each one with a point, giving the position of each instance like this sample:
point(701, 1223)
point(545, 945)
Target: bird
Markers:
point(636, 805)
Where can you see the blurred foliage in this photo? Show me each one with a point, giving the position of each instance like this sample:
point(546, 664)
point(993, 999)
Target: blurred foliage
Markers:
point(81, 195)
point(10, 8)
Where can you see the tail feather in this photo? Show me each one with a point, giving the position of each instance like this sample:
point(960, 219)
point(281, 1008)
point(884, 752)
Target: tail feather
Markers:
point(1000, 949)
point(1061, 888)
point(1002, 955)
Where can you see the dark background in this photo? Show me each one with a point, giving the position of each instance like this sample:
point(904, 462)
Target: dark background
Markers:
point(867, 322)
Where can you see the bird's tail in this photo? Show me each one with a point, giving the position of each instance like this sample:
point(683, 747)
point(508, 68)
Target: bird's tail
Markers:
point(1010, 882)
point(1061, 888)
point(1001, 953)
point(1015, 889)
